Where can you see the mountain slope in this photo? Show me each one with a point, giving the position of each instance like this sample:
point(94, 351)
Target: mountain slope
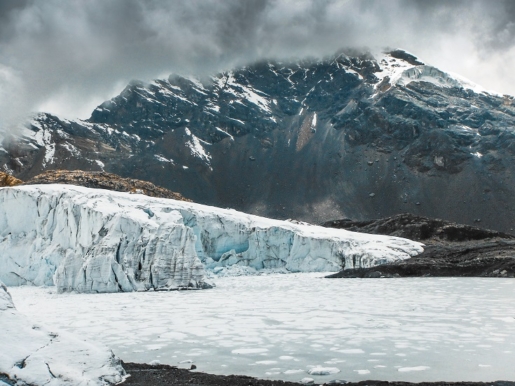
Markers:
point(348, 136)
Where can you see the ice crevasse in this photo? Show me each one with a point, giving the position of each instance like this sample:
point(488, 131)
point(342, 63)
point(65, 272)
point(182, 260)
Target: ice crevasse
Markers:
point(92, 240)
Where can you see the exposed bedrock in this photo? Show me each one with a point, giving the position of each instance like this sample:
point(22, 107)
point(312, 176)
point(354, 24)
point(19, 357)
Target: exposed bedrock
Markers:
point(91, 240)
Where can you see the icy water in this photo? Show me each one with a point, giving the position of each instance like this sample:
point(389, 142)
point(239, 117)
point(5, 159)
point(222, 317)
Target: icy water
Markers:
point(283, 326)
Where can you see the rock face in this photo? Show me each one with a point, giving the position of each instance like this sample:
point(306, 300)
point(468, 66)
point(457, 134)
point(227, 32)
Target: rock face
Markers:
point(419, 228)
point(102, 180)
point(35, 355)
point(349, 136)
point(450, 249)
point(92, 240)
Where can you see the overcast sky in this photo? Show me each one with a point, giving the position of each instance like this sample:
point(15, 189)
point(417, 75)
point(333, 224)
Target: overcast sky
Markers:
point(67, 56)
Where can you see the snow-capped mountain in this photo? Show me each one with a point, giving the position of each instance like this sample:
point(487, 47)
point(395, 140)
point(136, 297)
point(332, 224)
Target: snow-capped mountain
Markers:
point(352, 135)
point(94, 240)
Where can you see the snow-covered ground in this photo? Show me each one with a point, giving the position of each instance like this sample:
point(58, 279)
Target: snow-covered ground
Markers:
point(32, 354)
point(300, 325)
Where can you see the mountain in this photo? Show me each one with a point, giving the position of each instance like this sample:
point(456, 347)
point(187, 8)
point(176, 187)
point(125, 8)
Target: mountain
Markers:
point(95, 240)
point(351, 135)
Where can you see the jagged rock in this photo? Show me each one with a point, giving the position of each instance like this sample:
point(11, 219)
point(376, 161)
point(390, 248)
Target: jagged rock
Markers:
point(35, 355)
point(450, 249)
point(92, 240)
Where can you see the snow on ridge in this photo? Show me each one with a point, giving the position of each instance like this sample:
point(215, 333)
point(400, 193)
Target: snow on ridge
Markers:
point(400, 72)
point(196, 148)
point(228, 84)
point(35, 355)
point(92, 240)
point(225, 132)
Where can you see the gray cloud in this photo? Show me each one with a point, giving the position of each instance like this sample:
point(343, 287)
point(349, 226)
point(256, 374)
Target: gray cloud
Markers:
point(67, 56)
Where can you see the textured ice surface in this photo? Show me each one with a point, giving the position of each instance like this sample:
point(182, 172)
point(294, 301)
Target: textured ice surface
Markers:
point(410, 329)
point(92, 240)
point(35, 355)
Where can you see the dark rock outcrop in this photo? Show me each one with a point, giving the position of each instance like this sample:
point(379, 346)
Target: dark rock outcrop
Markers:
point(451, 249)
point(161, 375)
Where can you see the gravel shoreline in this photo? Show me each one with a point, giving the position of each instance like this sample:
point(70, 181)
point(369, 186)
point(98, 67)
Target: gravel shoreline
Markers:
point(161, 375)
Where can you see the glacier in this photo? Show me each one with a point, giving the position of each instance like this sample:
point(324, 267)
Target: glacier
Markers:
point(93, 240)
point(32, 354)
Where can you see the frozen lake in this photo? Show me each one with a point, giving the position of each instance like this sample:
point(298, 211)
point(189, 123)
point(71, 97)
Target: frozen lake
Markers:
point(282, 326)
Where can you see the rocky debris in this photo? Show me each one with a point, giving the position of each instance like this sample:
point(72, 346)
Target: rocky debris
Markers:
point(451, 249)
point(8, 180)
point(103, 180)
point(163, 375)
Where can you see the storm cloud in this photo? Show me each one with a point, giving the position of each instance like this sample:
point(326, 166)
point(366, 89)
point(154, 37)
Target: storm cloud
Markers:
point(67, 56)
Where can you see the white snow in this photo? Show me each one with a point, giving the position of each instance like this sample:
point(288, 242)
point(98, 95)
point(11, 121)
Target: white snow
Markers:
point(71, 149)
point(229, 85)
point(416, 368)
point(160, 158)
point(323, 370)
point(100, 164)
point(93, 240)
point(33, 354)
point(196, 148)
point(43, 138)
point(237, 120)
point(402, 73)
point(440, 323)
point(225, 132)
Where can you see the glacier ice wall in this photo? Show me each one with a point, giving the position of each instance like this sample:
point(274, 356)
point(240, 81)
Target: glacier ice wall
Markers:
point(92, 240)
point(31, 354)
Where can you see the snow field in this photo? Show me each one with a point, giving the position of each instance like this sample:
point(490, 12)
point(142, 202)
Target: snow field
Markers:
point(300, 325)
point(32, 354)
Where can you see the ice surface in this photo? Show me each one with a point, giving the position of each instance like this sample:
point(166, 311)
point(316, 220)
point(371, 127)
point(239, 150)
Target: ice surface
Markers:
point(32, 354)
point(92, 240)
point(323, 370)
point(451, 327)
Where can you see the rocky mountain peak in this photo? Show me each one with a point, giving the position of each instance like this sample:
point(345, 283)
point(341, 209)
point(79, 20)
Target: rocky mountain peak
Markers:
point(351, 135)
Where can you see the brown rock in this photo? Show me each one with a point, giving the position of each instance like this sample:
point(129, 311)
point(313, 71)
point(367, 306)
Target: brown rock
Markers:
point(8, 180)
point(103, 180)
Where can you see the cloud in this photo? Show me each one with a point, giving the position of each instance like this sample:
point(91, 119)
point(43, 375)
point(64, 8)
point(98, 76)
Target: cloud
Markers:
point(67, 56)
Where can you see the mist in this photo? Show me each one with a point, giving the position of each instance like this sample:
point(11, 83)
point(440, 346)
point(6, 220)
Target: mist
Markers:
point(66, 57)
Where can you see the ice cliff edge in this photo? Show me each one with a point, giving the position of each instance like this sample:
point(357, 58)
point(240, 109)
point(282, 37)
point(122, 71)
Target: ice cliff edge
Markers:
point(91, 240)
